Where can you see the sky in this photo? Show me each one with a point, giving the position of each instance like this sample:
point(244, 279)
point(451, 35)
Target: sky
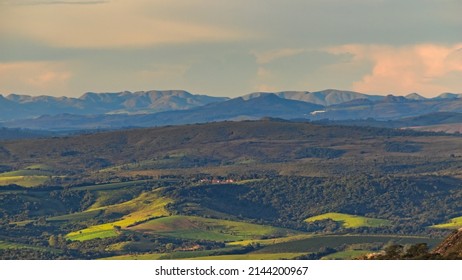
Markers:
point(230, 48)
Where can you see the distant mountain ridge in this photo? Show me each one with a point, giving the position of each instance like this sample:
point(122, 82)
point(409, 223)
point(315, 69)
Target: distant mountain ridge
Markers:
point(389, 108)
point(157, 108)
point(268, 105)
point(16, 106)
point(326, 97)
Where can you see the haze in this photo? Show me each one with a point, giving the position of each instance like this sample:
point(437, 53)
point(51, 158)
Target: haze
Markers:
point(230, 48)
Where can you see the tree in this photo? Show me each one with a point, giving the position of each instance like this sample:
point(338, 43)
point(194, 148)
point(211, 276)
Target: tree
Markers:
point(52, 241)
point(169, 247)
point(417, 250)
point(393, 252)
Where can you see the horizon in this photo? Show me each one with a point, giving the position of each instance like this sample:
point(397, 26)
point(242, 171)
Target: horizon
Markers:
point(230, 97)
point(218, 48)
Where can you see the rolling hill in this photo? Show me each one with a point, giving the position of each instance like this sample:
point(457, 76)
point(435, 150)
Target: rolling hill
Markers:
point(228, 190)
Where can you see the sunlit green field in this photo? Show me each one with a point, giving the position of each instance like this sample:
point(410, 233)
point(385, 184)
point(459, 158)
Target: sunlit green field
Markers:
point(454, 223)
point(271, 241)
point(24, 181)
point(32, 176)
point(220, 257)
point(350, 221)
point(11, 245)
point(190, 227)
point(346, 255)
point(276, 256)
point(142, 208)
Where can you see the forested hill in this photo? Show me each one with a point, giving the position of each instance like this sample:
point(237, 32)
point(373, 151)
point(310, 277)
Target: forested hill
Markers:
point(315, 189)
point(214, 143)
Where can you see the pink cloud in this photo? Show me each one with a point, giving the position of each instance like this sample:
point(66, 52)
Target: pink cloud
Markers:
point(40, 77)
point(402, 70)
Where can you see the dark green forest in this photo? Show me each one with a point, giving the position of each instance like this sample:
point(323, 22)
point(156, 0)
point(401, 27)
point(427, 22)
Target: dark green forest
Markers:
point(231, 189)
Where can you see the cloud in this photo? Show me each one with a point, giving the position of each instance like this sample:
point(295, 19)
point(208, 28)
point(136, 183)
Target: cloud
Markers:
point(117, 24)
point(401, 70)
point(298, 69)
point(228, 72)
point(47, 78)
point(269, 56)
point(35, 2)
point(147, 44)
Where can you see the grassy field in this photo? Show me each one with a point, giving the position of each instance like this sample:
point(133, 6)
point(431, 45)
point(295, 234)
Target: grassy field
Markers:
point(100, 231)
point(189, 227)
point(315, 243)
point(39, 166)
point(346, 255)
point(142, 208)
point(111, 186)
point(26, 172)
point(24, 181)
point(11, 245)
point(454, 223)
point(184, 255)
point(350, 221)
point(172, 255)
point(136, 257)
point(271, 256)
point(31, 176)
point(270, 241)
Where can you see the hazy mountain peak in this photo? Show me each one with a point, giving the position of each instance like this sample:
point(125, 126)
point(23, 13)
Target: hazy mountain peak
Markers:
point(325, 97)
point(255, 95)
point(448, 95)
point(394, 99)
point(415, 96)
point(25, 106)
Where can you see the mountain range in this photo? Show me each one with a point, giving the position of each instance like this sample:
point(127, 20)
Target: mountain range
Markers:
point(16, 106)
point(157, 108)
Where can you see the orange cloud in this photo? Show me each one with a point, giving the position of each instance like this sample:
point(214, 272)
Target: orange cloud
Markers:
point(115, 24)
point(402, 70)
point(34, 78)
point(268, 56)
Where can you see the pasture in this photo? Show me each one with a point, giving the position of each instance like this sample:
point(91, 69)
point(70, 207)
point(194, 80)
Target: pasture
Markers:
point(454, 223)
point(316, 243)
point(191, 227)
point(350, 221)
point(142, 208)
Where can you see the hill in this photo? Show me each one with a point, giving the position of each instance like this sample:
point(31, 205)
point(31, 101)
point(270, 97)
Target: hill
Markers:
point(390, 108)
point(158, 108)
point(325, 97)
point(16, 106)
point(262, 141)
point(267, 105)
point(451, 247)
point(239, 190)
point(449, 122)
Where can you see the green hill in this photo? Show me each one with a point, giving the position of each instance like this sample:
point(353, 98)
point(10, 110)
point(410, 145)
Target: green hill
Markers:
point(350, 221)
point(238, 189)
point(190, 227)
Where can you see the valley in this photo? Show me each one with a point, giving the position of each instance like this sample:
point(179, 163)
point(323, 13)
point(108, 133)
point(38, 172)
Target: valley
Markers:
point(266, 189)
